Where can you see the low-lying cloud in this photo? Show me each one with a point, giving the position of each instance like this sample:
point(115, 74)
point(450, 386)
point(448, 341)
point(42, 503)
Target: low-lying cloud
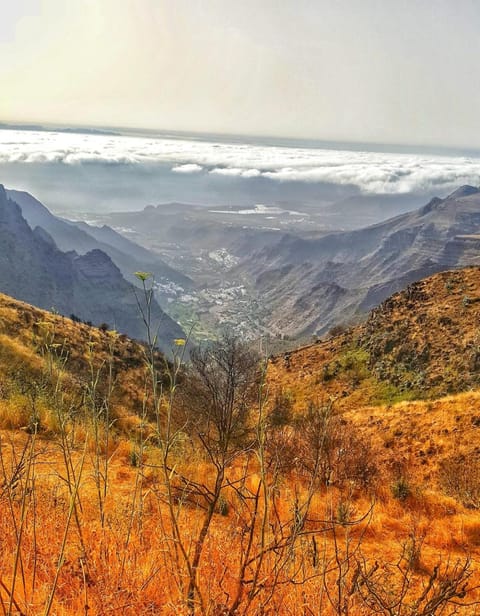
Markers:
point(370, 172)
point(187, 168)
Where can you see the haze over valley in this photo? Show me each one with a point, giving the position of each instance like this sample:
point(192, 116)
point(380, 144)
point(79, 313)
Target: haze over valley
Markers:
point(268, 271)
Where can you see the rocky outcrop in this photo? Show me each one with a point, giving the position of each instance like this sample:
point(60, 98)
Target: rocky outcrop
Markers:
point(81, 237)
point(367, 264)
point(90, 286)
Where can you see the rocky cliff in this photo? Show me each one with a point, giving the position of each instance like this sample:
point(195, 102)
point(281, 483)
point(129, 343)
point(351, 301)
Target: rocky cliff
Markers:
point(90, 286)
point(310, 285)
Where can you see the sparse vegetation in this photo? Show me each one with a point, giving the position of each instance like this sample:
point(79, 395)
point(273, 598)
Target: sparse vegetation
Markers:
point(460, 477)
point(136, 485)
point(401, 488)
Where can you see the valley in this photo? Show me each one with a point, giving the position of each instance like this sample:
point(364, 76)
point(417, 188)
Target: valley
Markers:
point(208, 245)
point(279, 278)
point(312, 415)
point(267, 272)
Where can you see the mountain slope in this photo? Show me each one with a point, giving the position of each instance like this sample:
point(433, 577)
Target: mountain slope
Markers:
point(422, 342)
point(90, 286)
point(82, 238)
point(390, 476)
point(33, 340)
point(426, 336)
point(339, 277)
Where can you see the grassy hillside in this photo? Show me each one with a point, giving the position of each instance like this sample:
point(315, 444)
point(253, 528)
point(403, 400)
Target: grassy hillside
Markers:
point(422, 343)
point(311, 485)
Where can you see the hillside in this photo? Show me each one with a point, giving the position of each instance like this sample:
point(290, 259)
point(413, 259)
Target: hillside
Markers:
point(139, 488)
point(338, 278)
point(38, 347)
point(422, 342)
point(90, 286)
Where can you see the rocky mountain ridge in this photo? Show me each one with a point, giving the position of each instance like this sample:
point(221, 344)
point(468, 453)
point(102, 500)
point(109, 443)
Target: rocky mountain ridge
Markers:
point(309, 285)
point(90, 286)
point(82, 237)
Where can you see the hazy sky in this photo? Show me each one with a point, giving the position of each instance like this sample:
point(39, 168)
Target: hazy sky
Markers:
point(398, 71)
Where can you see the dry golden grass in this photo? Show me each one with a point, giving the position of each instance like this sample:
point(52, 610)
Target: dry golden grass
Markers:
point(86, 523)
point(124, 566)
point(41, 353)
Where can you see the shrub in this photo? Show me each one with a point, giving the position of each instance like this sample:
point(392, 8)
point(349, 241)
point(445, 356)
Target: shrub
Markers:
point(327, 448)
point(337, 330)
point(281, 413)
point(401, 489)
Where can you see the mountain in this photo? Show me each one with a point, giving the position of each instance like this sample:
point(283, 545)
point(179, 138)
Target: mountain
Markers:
point(81, 237)
point(422, 342)
point(90, 286)
point(309, 285)
point(361, 210)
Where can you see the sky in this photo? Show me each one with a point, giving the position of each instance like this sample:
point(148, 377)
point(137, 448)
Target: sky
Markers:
point(385, 71)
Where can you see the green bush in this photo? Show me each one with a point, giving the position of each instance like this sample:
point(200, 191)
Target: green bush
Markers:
point(401, 489)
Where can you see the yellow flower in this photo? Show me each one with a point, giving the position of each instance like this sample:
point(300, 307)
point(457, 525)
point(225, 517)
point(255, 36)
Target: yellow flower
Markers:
point(143, 275)
point(180, 341)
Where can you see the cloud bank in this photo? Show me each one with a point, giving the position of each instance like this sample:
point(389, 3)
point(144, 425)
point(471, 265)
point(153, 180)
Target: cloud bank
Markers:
point(188, 168)
point(370, 172)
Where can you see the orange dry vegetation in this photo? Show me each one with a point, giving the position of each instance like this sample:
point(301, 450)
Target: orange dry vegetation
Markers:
point(99, 516)
point(124, 565)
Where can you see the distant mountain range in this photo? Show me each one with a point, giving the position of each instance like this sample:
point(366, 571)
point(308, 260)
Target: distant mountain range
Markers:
point(42, 128)
point(303, 282)
point(304, 279)
point(82, 279)
point(309, 285)
point(81, 237)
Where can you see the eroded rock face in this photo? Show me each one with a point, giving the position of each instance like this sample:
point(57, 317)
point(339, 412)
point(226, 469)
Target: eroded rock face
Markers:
point(367, 265)
point(81, 237)
point(91, 286)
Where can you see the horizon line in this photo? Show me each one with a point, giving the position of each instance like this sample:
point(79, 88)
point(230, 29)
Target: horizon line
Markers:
point(310, 142)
